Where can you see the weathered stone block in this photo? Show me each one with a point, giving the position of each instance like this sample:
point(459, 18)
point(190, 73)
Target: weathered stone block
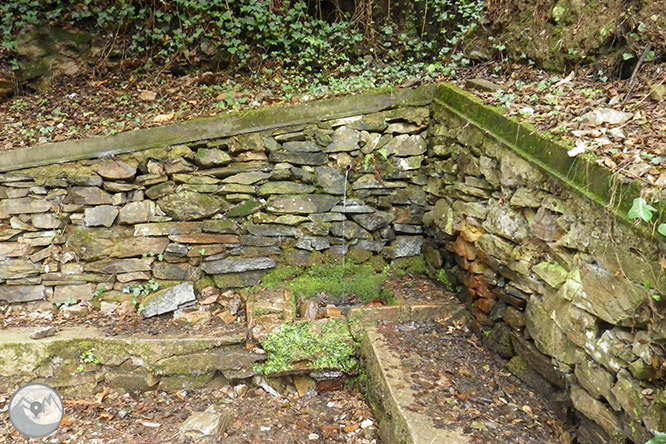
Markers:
point(89, 196)
point(93, 244)
point(405, 145)
point(627, 391)
point(168, 300)
point(22, 293)
point(111, 266)
point(189, 205)
point(284, 188)
point(100, 216)
point(553, 274)
point(237, 265)
point(549, 338)
point(115, 170)
point(176, 272)
point(612, 298)
point(313, 159)
point(18, 269)
point(239, 280)
point(211, 157)
point(77, 292)
point(24, 205)
point(331, 180)
point(305, 204)
point(505, 222)
point(597, 381)
point(137, 212)
point(597, 412)
point(404, 246)
point(273, 230)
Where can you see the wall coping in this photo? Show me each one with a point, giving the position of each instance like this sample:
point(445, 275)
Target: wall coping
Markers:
point(613, 192)
point(216, 127)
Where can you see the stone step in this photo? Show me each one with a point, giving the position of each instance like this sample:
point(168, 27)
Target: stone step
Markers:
point(79, 361)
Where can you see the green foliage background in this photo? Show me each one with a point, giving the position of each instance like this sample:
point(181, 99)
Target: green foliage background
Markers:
point(313, 39)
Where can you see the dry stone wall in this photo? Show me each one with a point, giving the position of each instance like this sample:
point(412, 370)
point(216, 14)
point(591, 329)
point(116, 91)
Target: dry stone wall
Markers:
point(227, 210)
point(570, 293)
point(566, 290)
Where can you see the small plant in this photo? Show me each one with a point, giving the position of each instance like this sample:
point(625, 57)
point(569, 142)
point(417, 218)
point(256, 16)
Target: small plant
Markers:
point(142, 289)
point(100, 291)
point(506, 99)
point(642, 210)
point(139, 306)
point(68, 302)
point(160, 256)
point(443, 279)
point(659, 438)
point(330, 348)
point(87, 357)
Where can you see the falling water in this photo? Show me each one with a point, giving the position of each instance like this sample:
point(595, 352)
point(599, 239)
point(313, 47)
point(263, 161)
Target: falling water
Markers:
point(344, 205)
point(344, 188)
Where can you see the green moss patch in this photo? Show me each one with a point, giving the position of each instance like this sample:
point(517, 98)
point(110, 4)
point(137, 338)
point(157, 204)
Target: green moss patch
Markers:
point(341, 283)
point(324, 346)
point(405, 266)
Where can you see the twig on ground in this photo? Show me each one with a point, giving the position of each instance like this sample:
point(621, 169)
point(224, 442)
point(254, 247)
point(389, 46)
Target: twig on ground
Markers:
point(632, 81)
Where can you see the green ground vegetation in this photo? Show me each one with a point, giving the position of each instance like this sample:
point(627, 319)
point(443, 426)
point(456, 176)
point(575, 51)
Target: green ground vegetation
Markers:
point(324, 46)
point(325, 346)
point(342, 282)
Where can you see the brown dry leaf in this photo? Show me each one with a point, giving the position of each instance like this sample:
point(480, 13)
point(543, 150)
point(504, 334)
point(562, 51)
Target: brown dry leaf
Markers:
point(67, 421)
point(160, 118)
point(352, 428)
point(106, 415)
point(209, 300)
point(148, 96)
point(100, 397)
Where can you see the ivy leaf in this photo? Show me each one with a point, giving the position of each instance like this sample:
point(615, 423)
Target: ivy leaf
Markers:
point(661, 229)
point(641, 210)
point(659, 438)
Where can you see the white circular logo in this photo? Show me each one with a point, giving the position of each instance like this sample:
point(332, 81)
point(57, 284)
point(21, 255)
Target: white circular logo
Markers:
point(36, 410)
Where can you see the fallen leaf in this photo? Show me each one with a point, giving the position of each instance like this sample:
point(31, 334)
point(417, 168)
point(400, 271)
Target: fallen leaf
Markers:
point(163, 118)
point(102, 395)
point(148, 96)
point(351, 428)
point(209, 300)
point(581, 147)
point(609, 115)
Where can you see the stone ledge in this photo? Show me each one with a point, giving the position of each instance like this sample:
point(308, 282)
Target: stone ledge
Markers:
point(391, 396)
point(241, 122)
point(582, 174)
point(131, 363)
